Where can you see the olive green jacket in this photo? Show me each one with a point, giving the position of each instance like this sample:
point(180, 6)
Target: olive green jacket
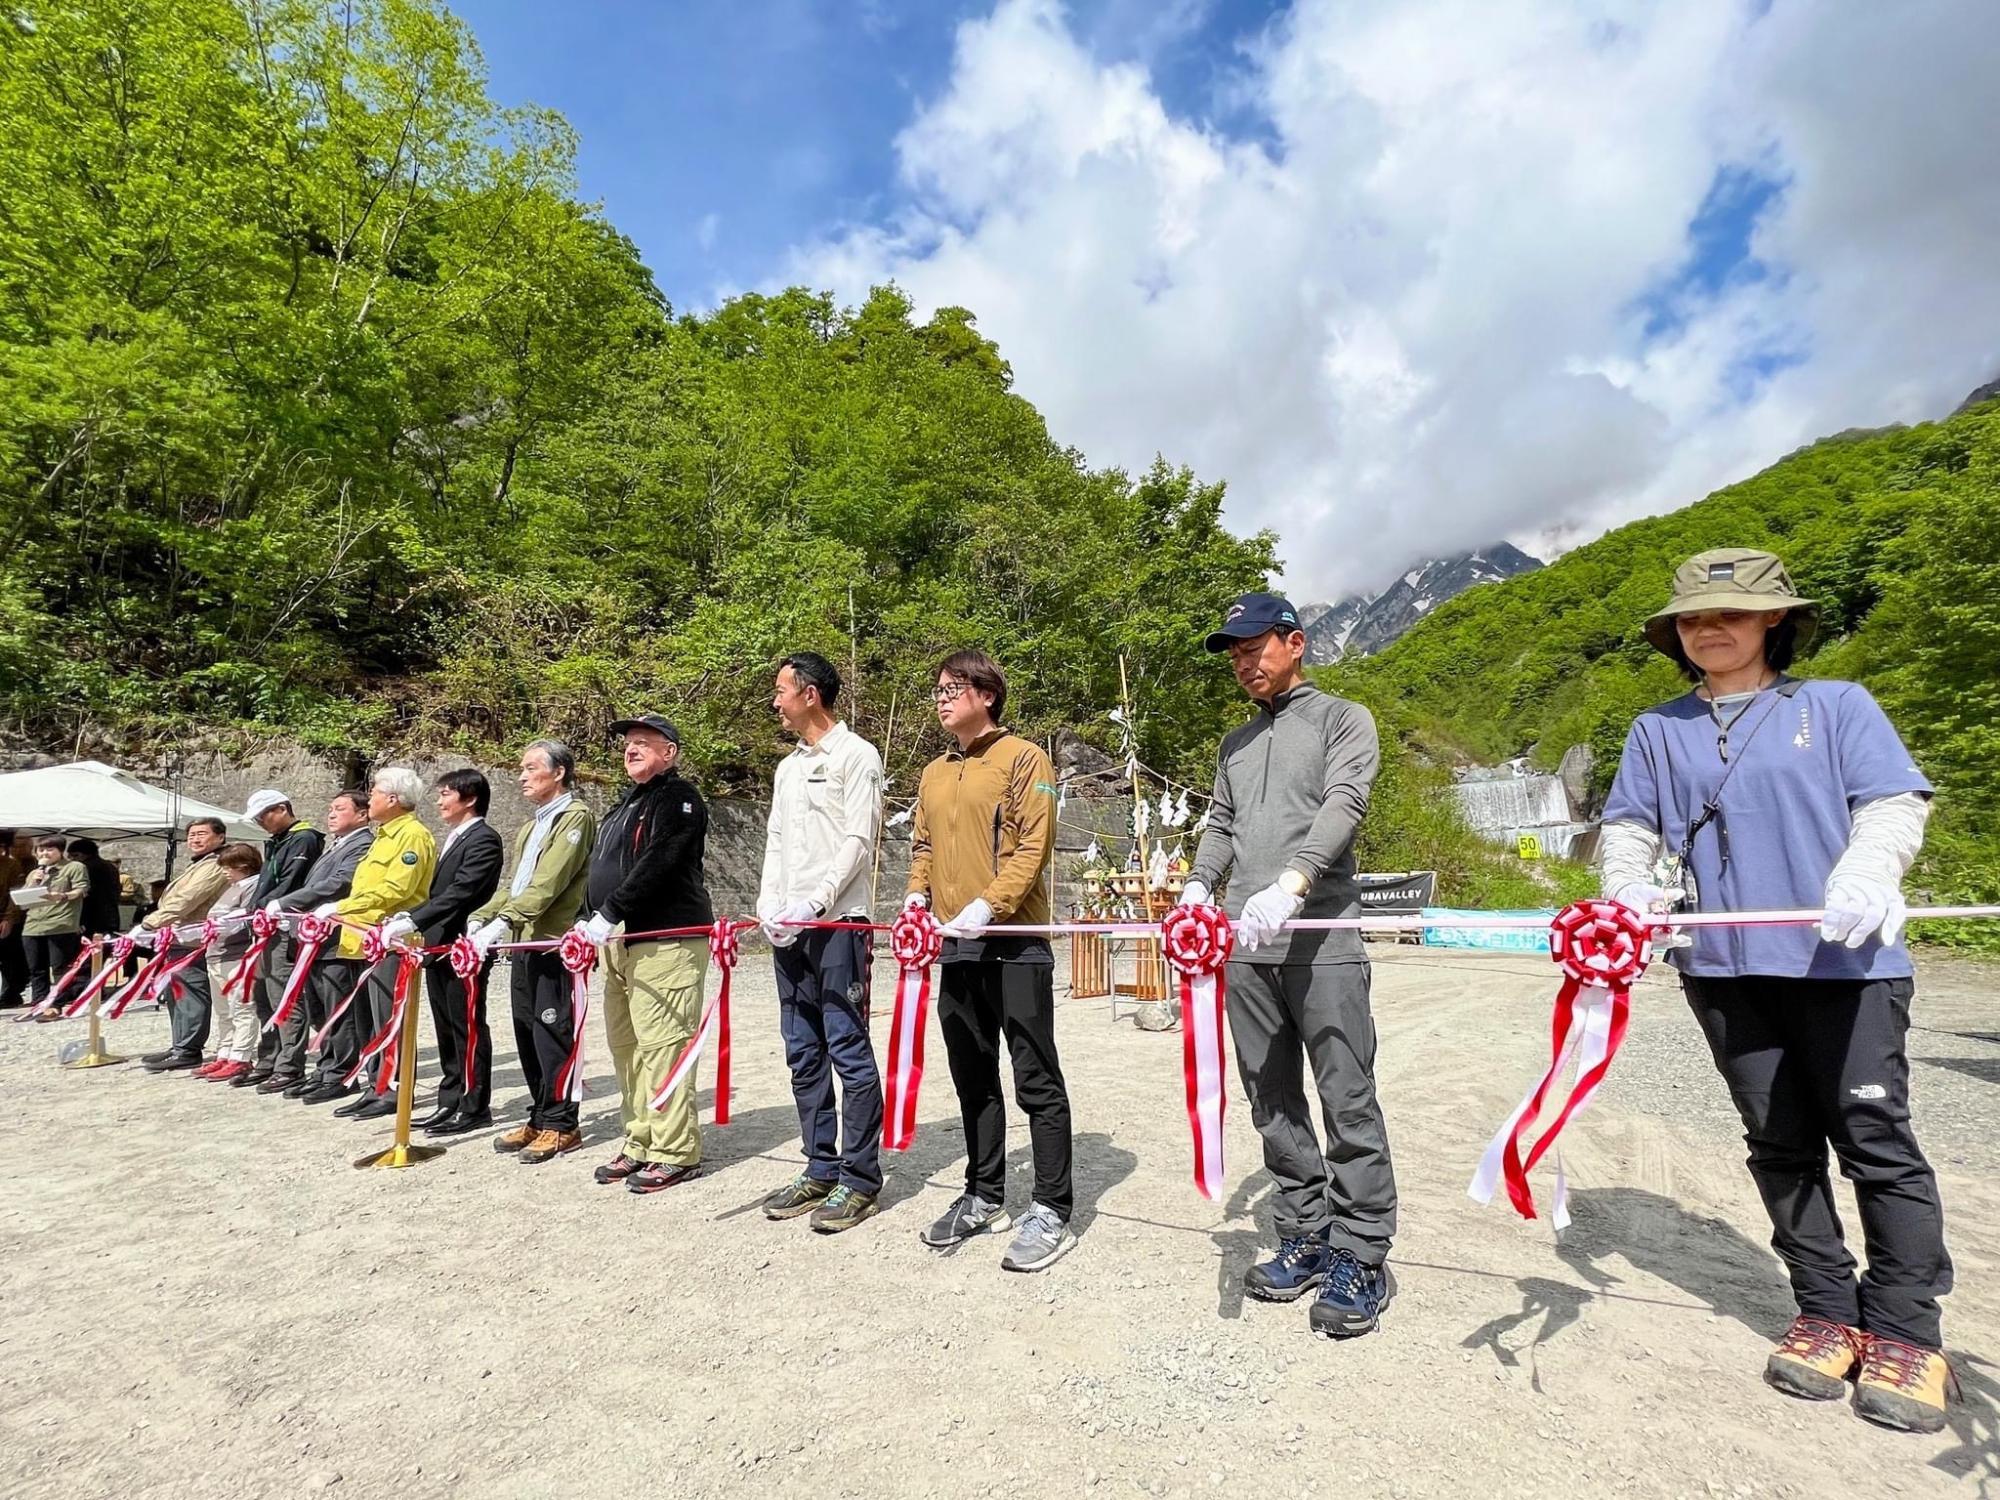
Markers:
point(548, 904)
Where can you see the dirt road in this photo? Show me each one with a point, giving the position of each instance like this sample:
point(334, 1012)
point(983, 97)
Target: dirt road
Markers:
point(202, 1298)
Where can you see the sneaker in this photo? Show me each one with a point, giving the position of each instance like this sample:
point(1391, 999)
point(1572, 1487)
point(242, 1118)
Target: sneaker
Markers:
point(1903, 1386)
point(617, 1169)
point(1042, 1239)
point(549, 1144)
point(516, 1139)
point(658, 1175)
point(843, 1209)
point(210, 1068)
point(967, 1216)
point(1351, 1298)
point(1298, 1267)
point(799, 1196)
point(1815, 1359)
point(228, 1072)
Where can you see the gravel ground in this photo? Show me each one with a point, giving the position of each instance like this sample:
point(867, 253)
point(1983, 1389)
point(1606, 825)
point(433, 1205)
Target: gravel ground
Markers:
point(202, 1298)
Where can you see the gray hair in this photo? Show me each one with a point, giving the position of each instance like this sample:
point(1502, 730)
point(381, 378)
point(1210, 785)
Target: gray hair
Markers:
point(400, 782)
point(561, 759)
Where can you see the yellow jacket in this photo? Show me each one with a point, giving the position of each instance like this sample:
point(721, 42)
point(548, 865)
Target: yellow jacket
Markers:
point(986, 827)
point(394, 875)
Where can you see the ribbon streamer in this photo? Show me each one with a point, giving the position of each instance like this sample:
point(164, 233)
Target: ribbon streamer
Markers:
point(121, 950)
point(915, 942)
point(1197, 941)
point(54, 996)
point(312, 935)
point(387, 1042)
point(263, 929)
point(1601, 948)
point(463, 956)
point(724, 947)
point(373, 951)
point(579, 957)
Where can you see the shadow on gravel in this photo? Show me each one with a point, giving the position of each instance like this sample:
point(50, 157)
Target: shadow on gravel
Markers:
point(1557, 1303)
point(1985, 1069)
point(1975, 1421)
point(1238, 1249)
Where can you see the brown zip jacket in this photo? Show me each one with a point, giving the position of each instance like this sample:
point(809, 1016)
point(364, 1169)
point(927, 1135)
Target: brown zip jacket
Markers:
point(986, 827)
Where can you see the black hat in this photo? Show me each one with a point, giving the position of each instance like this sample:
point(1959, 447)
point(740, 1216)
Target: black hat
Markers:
point(1252, 615)
point(656, 722)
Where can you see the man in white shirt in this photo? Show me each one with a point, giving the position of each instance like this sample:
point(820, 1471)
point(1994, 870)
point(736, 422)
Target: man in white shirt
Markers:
point(819, 864)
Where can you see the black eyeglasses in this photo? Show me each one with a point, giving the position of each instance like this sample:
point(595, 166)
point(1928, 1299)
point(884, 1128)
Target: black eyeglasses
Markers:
point(947, 692)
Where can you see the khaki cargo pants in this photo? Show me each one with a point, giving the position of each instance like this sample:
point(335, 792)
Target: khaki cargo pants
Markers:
point(652, 1004)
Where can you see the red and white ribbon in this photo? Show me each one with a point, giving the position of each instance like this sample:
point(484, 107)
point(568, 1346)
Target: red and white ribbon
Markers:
point(915, 942)
point(579, 957)
point(1601, 947)
point(724, 947)
point(373, 951)
point(311, 935)
point(54, 997)
point(1197, 941)
point(388, 1041)
point(263, 930)
point(121, 950)
point(463, 956)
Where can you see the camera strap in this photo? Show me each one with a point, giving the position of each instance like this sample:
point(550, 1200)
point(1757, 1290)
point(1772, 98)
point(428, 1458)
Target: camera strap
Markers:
point(1788, 687)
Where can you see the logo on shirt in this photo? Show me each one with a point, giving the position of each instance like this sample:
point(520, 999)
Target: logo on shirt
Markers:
point(409, 856)
point(688, 808)
point(1803, 739)
point(1869, 1091)
point(576, 835)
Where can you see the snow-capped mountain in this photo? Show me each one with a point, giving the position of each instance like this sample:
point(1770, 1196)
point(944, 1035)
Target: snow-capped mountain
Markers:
point(1362, 624)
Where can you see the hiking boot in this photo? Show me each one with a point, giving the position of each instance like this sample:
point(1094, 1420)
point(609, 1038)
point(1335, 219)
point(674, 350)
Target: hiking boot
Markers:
point(549, 1144)
point(1815, 1359)
point(843, 1209)
point(799, 1196)
point(1351, 1298)
point(1298, 1267)
point(617, 1169)
point(658, 1175)
point(516, 1139)
point(1042, 1239)
point(967, 1216)
point(1903, 1386)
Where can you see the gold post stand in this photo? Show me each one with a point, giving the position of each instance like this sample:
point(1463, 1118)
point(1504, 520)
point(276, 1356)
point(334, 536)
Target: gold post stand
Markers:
point(403, 1154)
point(95, 1056)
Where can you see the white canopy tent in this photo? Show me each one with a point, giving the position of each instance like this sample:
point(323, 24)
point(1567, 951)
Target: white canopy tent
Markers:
point(88, 799)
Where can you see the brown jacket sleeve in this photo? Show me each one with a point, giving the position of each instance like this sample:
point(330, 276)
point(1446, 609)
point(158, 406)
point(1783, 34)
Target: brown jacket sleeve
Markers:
point(1028, 822)
point(920, 844)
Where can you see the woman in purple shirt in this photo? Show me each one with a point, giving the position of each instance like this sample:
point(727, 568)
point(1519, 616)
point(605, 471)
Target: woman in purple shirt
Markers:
point(1764, 791)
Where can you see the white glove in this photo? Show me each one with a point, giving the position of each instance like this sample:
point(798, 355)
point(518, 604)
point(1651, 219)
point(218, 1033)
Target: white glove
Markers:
point(915, 900)
point(1648, 900)
point(143, 937)
point(1265, 914)
point(597, 931)
point(1194, 893)
point(275, 907)
point(970, 922)
point(784, 927)
point(398, 927)
point(326, 909)
point(484, 939)
point(1858, 908)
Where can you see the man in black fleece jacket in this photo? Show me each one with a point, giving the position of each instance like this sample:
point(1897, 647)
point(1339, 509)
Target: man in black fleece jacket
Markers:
point(645, 875)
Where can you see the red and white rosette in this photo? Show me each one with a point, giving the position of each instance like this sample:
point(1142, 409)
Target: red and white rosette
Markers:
point(1601, 947)
point(121, 949)
point(312, 933)
point(579, 957)
point(373, 951)
point(242, 981)
point(915, 942)
point(168, 982)
point(724, 948)
point(54, 997)
point(387, 1043)
point(463, 956)
point(1197, 941)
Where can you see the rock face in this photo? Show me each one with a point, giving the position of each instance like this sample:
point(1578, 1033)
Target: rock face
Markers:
point(1362, 624)
point(1987, 392)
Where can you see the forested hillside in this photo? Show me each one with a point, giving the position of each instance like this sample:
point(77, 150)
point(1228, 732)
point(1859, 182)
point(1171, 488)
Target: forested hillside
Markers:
point(1897, 533)
point(326, 409)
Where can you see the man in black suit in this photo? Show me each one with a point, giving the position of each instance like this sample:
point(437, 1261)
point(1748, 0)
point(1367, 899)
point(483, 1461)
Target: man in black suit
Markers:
point(468, 872)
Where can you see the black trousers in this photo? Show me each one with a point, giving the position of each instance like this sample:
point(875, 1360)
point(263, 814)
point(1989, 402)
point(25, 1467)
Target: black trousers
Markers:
point(328, 984)
point(1813, 1063)
point(48, 958)
point(543, 1032)
point(447, 994)
point(979, 1001)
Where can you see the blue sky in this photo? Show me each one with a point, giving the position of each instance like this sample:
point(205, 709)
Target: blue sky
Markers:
point(720, 133)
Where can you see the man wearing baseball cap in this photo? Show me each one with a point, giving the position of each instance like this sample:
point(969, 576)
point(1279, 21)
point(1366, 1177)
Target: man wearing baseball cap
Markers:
point(1290, 791)
point(291, 847)
point(645, 875)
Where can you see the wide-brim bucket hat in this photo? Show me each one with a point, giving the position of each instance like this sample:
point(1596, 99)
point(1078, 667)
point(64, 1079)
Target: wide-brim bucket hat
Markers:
point(1730, 578)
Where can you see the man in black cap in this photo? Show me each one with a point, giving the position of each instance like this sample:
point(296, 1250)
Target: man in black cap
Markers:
point(645, 875)
point(1290, 792)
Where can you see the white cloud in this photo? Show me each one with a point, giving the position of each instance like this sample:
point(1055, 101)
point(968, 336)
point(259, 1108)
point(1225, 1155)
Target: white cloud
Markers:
point(1414, 325)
